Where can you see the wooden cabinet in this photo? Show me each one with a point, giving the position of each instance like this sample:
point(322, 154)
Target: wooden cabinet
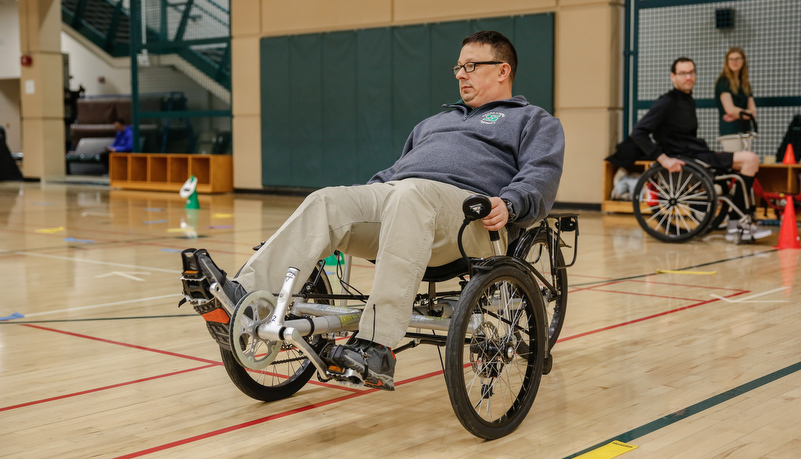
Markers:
point(169, 171)
point(779, 178)
point(609, 205)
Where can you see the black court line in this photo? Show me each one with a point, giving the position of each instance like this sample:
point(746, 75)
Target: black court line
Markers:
point(704, 405)
point(677, 269)
point(17, 322)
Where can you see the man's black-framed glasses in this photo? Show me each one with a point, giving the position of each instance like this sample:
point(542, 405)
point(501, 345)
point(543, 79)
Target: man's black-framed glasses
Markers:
point(471, 66)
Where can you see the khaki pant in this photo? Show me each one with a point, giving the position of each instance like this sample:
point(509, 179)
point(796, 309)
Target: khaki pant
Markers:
point(404, 225)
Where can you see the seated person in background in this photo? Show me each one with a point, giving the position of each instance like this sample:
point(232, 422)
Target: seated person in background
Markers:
point(8, 166)
point(123, 139)
point(733, 95)
point(672, 122)
point(407, 217)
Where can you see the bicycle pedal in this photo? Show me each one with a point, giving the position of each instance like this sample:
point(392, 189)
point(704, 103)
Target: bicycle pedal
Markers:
point(195, 284)
point(345, 376)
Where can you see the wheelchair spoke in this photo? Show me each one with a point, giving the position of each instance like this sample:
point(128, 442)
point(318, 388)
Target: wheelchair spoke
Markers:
point(688, 213)
point(682, 220)
point(665, 215)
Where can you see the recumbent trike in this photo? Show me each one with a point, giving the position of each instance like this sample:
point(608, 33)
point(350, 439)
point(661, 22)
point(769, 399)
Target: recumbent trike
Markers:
point(501, 324)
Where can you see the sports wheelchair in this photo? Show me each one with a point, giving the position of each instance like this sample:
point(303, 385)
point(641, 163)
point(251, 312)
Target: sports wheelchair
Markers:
point(677, 206)
point(500, 325)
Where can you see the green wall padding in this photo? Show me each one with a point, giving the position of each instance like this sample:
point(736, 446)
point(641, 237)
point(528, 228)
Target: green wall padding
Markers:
point(337, 107)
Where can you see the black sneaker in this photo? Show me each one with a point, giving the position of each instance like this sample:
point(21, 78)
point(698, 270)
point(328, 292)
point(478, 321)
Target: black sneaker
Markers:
point(199, 272)
point(372, 363)
point(232, 289)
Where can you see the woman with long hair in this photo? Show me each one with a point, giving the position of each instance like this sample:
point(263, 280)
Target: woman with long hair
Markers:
point(733, 94)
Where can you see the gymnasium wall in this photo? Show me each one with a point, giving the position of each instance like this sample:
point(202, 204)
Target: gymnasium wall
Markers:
point(586, 70)
point(342, 104)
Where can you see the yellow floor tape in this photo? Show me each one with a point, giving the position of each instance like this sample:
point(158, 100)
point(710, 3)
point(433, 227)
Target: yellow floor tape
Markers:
point(614, 449)
point(50, 230)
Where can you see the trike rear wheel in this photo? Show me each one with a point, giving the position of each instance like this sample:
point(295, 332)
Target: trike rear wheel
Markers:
point(538, 254)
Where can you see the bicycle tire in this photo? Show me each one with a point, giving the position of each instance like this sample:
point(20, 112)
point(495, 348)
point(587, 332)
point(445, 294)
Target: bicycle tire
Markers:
point(288, 373)
point(491, 384)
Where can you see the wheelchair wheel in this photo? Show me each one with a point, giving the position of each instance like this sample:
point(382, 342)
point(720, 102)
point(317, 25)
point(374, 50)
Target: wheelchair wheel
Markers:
point(495, 351)
point(674, 206)
point(537, 254)
point(288, 372)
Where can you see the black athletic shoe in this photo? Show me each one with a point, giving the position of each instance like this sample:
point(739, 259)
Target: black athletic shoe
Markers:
point(232, 289)
point(372, 363)
point(199, 272)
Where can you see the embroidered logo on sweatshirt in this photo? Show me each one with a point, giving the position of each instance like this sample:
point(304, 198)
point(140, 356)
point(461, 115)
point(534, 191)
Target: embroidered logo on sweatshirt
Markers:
point(492, 117)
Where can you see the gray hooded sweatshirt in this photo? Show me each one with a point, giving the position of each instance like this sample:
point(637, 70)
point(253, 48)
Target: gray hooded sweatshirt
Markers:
point(507, 148)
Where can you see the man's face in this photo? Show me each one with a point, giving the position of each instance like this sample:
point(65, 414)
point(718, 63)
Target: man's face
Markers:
point(684, 78)
point(119, 126)
point(483, 84)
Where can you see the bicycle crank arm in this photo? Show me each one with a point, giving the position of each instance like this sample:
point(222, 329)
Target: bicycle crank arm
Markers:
point(294, 337)
point(218, 293)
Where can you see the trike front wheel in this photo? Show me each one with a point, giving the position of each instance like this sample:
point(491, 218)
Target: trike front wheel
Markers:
point(496, 351)
point(288, 372)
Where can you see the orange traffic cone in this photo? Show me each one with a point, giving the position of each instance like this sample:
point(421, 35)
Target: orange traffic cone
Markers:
point(789, 155)
point(788, 234)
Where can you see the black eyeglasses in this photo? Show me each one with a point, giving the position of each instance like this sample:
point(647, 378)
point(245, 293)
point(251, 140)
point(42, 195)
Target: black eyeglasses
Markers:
point(471, 66)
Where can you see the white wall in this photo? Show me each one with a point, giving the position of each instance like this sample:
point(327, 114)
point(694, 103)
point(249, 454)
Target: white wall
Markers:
point(9, 40)
point(86, 68)
point(9, 74)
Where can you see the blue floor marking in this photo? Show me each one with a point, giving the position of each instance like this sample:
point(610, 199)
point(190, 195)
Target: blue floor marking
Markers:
point(16, 315)
point(82, 241)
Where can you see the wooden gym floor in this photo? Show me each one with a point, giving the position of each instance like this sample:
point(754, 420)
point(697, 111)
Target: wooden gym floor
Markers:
point(98, 361)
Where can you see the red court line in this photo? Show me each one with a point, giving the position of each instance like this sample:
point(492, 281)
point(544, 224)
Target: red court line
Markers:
point(643, 294)
point(641, 319)
point(211, 363)
point(118, 343)
point(683, 285)
point(408, 381)
point(98, 389)
point(243, 425)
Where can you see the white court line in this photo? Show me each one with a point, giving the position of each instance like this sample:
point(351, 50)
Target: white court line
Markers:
point(128, 275)
point(756, 295)
point(103, 305)
point(108, 263)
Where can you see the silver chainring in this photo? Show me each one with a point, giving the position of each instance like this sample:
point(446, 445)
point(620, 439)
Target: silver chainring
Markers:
point(250, 351)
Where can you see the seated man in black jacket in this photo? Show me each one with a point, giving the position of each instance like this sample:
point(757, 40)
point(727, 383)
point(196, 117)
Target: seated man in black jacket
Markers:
point(673, 124)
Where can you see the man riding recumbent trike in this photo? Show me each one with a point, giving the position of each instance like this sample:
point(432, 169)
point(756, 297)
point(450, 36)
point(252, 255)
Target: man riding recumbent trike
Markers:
point(501, 325)
point(489, 164)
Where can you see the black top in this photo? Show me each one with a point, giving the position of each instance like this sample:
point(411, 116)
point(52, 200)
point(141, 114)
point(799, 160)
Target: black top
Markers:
point(674, 126)
point(740, 99)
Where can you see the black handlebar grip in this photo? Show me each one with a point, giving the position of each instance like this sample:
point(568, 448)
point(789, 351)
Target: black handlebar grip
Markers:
point(494, 236)
point(476, 207)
